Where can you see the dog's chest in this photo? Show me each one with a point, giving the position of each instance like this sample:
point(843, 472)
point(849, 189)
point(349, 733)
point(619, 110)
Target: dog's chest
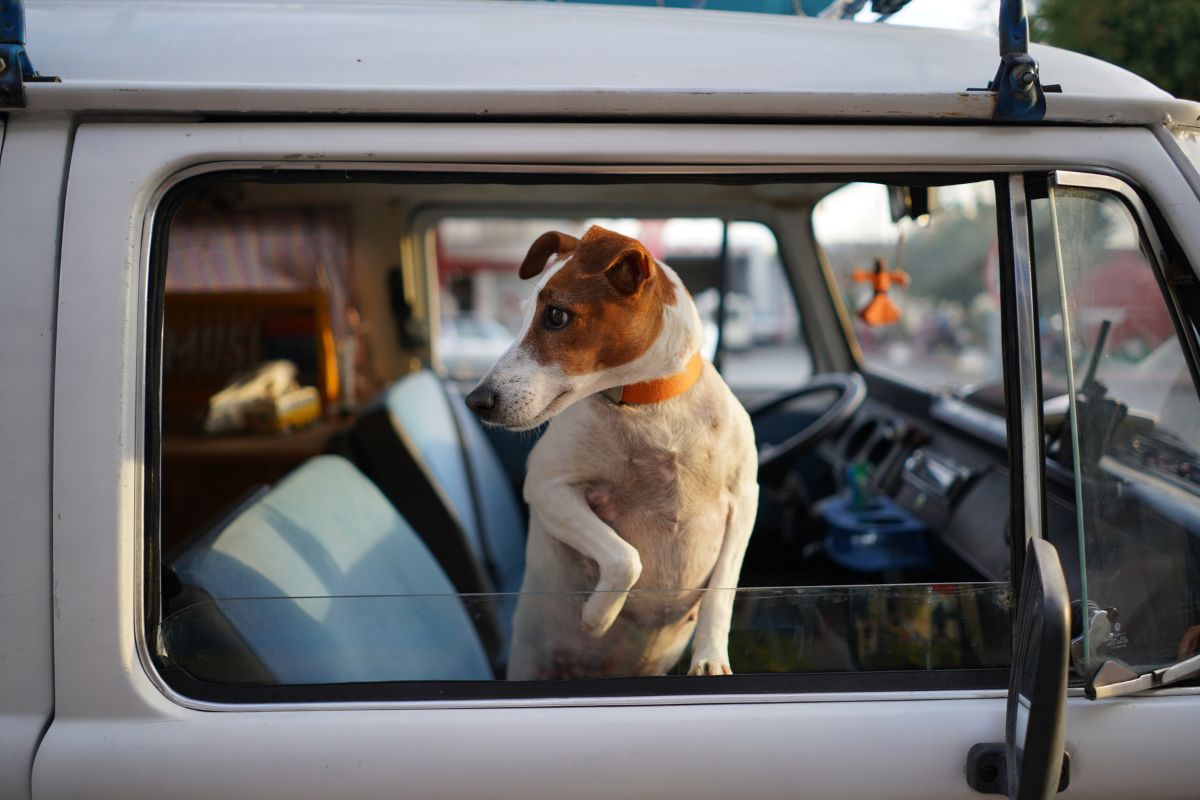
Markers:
point(664, 477)
point(661, 482)
point(665, 462)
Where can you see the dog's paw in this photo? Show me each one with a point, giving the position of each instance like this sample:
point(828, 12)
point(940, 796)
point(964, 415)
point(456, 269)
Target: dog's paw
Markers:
point(618, 574)
point(601, 611)
point(710, 666)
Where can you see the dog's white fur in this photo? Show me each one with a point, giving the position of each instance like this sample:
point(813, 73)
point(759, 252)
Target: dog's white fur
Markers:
point(659, 497)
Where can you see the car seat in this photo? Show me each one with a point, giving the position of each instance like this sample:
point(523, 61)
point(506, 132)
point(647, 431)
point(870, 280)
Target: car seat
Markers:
point(322, 581)
point(430, 457)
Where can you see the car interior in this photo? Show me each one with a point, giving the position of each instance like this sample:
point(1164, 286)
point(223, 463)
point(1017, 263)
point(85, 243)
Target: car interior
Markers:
point(376, 535)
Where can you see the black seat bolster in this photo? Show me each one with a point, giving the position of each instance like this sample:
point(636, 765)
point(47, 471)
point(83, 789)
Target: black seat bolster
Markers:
point(202, 642)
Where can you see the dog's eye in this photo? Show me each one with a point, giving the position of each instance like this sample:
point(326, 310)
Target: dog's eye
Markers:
point(555, 318)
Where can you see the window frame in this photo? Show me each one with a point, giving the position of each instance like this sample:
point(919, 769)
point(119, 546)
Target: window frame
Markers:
point(163, 150)
point(190, 692)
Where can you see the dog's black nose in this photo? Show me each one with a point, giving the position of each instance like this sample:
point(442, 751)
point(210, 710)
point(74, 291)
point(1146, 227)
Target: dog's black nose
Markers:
point(481, 400)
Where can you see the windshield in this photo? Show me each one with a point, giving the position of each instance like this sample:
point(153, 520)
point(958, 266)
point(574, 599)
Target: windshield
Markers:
point(937, 321)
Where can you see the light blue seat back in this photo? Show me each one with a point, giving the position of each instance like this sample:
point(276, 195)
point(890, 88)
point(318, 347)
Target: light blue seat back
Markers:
point(326, 583)
point(462, 460)
point(419, 408)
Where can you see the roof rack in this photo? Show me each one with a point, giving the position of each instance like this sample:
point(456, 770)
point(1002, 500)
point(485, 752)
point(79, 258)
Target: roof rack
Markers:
point(847, 9)
point(15, 67)
point(1020, 96)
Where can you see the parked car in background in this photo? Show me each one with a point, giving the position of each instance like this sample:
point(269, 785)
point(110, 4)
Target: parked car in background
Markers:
point(976, 565)
point(469, 344)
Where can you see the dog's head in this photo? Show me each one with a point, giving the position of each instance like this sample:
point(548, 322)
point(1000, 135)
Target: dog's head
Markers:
point(604, 314)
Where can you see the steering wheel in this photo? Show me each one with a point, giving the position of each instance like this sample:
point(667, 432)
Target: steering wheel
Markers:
point(851, 392)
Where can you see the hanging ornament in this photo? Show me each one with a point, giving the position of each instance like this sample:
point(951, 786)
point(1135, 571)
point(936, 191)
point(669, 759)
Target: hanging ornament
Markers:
point(880, 310)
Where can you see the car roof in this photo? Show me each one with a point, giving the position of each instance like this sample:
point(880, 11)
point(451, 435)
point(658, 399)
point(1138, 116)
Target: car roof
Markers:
point(509, 59)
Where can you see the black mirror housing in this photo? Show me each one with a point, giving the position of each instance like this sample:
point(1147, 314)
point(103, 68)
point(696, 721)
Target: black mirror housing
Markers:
point(1031, 762)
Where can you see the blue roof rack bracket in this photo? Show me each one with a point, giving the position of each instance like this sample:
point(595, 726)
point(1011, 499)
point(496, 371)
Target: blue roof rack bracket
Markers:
point(1020, 96)
point(15, 67)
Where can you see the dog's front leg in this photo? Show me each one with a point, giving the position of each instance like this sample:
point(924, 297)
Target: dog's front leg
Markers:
point(563, 510)
point(710, 647)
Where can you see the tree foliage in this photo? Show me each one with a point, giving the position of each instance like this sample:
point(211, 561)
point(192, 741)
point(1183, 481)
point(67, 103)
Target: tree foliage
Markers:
point(1159, 39)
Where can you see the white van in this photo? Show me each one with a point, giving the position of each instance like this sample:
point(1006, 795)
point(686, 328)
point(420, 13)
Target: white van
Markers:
point(999, 491)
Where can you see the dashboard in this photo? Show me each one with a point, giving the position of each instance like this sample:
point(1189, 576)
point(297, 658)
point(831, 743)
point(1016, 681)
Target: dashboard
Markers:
point(948, 468)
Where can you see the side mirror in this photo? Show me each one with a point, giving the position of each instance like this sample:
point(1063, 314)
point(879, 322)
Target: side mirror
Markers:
point(1030, 763)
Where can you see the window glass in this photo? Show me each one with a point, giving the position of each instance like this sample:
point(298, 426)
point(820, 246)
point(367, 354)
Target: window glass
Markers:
point(1124, 416)
point(946, 330)
point(330, 512)
point(779, 630)
point(761, 342)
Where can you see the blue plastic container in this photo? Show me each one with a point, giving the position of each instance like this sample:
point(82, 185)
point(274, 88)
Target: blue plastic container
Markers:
point(879, 537)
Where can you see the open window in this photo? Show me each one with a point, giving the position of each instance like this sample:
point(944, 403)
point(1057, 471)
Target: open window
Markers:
point(333, 523)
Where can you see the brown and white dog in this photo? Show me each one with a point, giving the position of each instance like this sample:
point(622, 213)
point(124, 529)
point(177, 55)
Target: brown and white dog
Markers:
point(645, 479)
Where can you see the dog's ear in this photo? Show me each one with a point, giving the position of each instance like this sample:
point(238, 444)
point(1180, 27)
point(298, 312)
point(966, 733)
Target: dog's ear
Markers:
point(626, 263)
point(630, 270)
point(548, 244)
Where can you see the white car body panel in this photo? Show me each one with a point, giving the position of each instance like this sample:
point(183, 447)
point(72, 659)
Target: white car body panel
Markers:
point(34, 159)
point(406, 58)
point(117, 732)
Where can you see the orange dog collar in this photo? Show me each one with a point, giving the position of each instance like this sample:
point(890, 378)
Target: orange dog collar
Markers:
point(660, 389)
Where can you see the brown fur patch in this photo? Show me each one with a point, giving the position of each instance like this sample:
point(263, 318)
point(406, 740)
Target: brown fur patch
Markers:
point(615, 295)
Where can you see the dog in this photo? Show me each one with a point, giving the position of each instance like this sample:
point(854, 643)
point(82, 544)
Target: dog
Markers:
point(645, 479)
